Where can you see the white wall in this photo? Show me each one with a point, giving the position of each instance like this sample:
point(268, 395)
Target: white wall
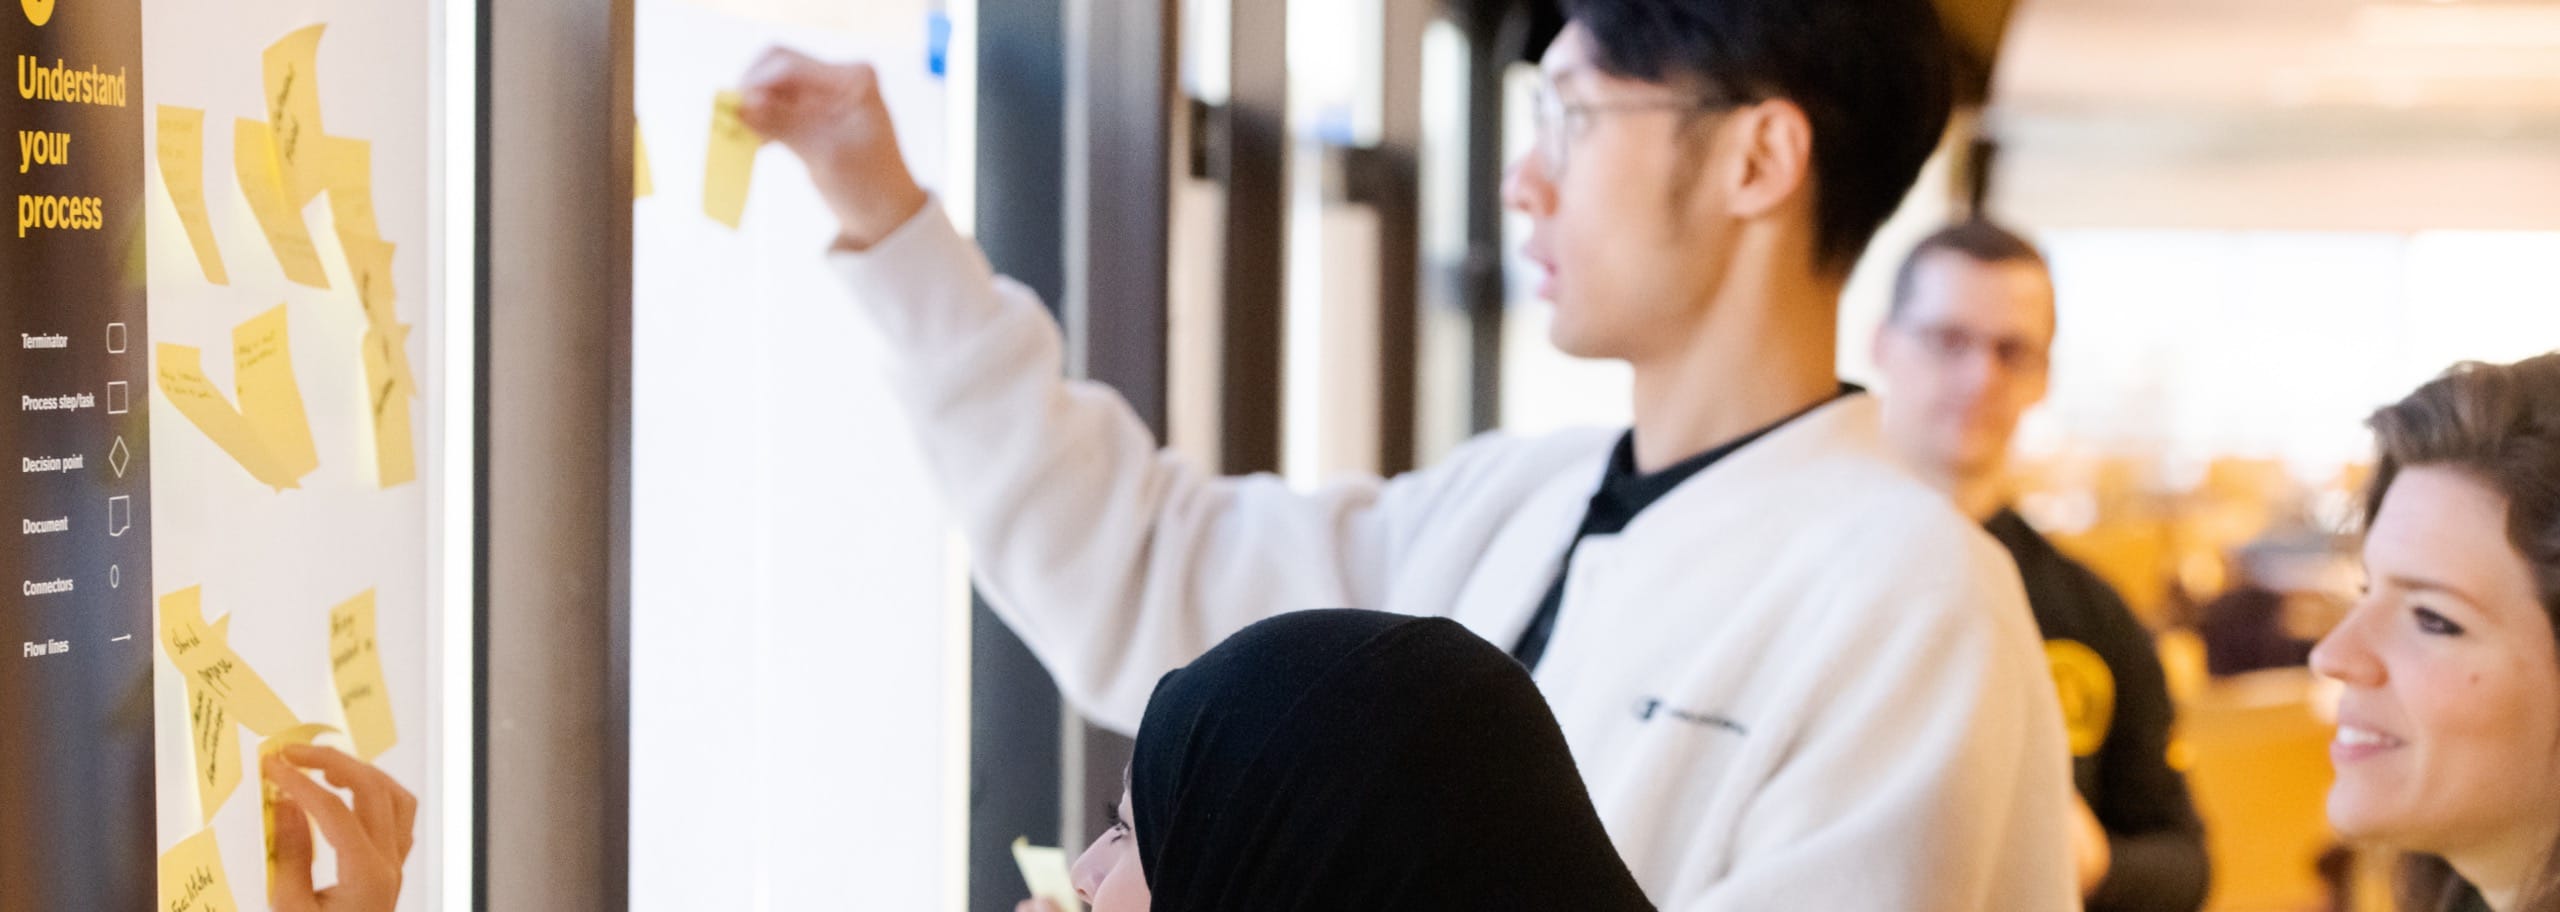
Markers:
point(796, 732)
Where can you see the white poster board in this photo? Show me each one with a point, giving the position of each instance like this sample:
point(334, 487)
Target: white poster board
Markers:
point(267, 564)
point(799, 639)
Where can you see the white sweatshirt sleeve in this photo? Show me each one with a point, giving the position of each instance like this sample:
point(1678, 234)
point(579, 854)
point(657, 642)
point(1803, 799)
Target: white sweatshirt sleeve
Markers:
point(1113, 559)
point(1931, 773)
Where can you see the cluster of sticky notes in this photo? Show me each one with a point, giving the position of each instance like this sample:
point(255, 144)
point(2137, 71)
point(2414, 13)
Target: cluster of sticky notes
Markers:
point(283, 163)
point(268, 433)
point(278, 160)
point(390, 382)
point(731, 163)
point(191, 877)
point(222, 690)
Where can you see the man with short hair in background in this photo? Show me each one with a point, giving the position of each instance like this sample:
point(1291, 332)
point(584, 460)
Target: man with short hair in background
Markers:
point(1964, 352)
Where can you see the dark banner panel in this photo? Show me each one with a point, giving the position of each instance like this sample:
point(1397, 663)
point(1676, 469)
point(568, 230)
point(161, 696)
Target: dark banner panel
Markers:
point(76, 811)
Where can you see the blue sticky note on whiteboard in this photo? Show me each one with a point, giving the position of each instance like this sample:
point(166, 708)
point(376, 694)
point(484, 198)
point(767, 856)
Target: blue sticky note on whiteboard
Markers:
point(937, 51)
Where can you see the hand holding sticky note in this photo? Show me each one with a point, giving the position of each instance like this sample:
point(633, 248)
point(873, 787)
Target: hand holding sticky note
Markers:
point(269, 793)
point(1044, 870)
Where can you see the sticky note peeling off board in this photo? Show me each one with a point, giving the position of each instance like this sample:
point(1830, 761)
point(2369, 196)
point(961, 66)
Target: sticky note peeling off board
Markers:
point(181, 159)
point(253, 159)
point(269, 434)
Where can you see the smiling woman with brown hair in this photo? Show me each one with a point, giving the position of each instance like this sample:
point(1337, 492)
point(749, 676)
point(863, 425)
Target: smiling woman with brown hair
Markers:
point(2448, 743)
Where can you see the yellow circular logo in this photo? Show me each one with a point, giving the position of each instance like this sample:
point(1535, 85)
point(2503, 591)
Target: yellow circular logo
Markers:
point(38, 11)
point(2088, 691)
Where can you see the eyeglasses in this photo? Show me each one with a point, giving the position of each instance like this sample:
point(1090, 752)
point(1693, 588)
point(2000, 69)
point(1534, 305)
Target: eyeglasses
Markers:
point(1560, 122)
point(1949, 344)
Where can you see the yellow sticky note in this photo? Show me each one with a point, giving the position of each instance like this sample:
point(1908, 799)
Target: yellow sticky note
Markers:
point(181, 156)
point(369, 261)
point(191, 877)
point(388, 388)
point(182, 380)
point(253, 158)
point(1044, 870)
point(642, 185)
point(731, 164)
point(347, 167)
point(355, 665)
point(293, 113)
point(268, 792)
point(262, 367)
point(213, 742)
point(205, 657)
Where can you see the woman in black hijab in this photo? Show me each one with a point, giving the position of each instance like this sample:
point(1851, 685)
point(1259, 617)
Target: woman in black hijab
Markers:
point(1338, 761)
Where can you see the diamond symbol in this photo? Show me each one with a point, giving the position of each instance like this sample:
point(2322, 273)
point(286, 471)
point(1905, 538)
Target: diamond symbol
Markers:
point(118, 457)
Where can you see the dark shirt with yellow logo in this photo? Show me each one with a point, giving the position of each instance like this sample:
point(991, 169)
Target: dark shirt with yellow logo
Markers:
point(2115, 702)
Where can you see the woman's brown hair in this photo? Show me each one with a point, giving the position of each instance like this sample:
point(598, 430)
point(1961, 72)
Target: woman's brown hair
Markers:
point(2500, 424)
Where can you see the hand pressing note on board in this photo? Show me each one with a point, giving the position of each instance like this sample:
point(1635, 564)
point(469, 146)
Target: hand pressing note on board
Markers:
point(372, 835)
point(835, 119)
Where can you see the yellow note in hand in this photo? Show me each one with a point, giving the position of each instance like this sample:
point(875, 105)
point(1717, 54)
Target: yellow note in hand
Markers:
point(181, 157)
point(203, 653)
point(1044, 870)
point(731, 164)
point(355, 664)
point(262, 365)
point(191, 877)
point(293, 111)
point(253, 158)
point(268, 792)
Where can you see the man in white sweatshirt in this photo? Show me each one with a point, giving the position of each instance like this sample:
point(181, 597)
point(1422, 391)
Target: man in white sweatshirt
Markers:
point(1794, 677)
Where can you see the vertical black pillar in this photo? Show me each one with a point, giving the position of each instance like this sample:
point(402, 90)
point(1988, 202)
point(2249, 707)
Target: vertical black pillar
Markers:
point(1014, 711)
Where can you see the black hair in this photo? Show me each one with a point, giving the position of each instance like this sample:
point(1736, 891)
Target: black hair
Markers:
point(1873, 77)
point(1978, 240)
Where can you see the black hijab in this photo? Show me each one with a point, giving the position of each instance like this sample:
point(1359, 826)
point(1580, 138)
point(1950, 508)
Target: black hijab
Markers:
point(1338, 761)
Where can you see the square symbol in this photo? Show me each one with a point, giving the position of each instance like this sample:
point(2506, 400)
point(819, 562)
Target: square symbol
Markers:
point(119, 515)
point(115, 338)
point(119, 397)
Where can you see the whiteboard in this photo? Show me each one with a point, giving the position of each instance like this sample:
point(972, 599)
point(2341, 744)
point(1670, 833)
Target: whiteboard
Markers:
point(799, 639)
point(276, 562)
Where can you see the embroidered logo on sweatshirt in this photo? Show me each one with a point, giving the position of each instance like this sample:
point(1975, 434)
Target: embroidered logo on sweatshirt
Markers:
point(1651, 708)
point(2088, 691)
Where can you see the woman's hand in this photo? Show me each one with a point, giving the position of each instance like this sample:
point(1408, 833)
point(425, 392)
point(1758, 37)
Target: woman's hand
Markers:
point(372, 837)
